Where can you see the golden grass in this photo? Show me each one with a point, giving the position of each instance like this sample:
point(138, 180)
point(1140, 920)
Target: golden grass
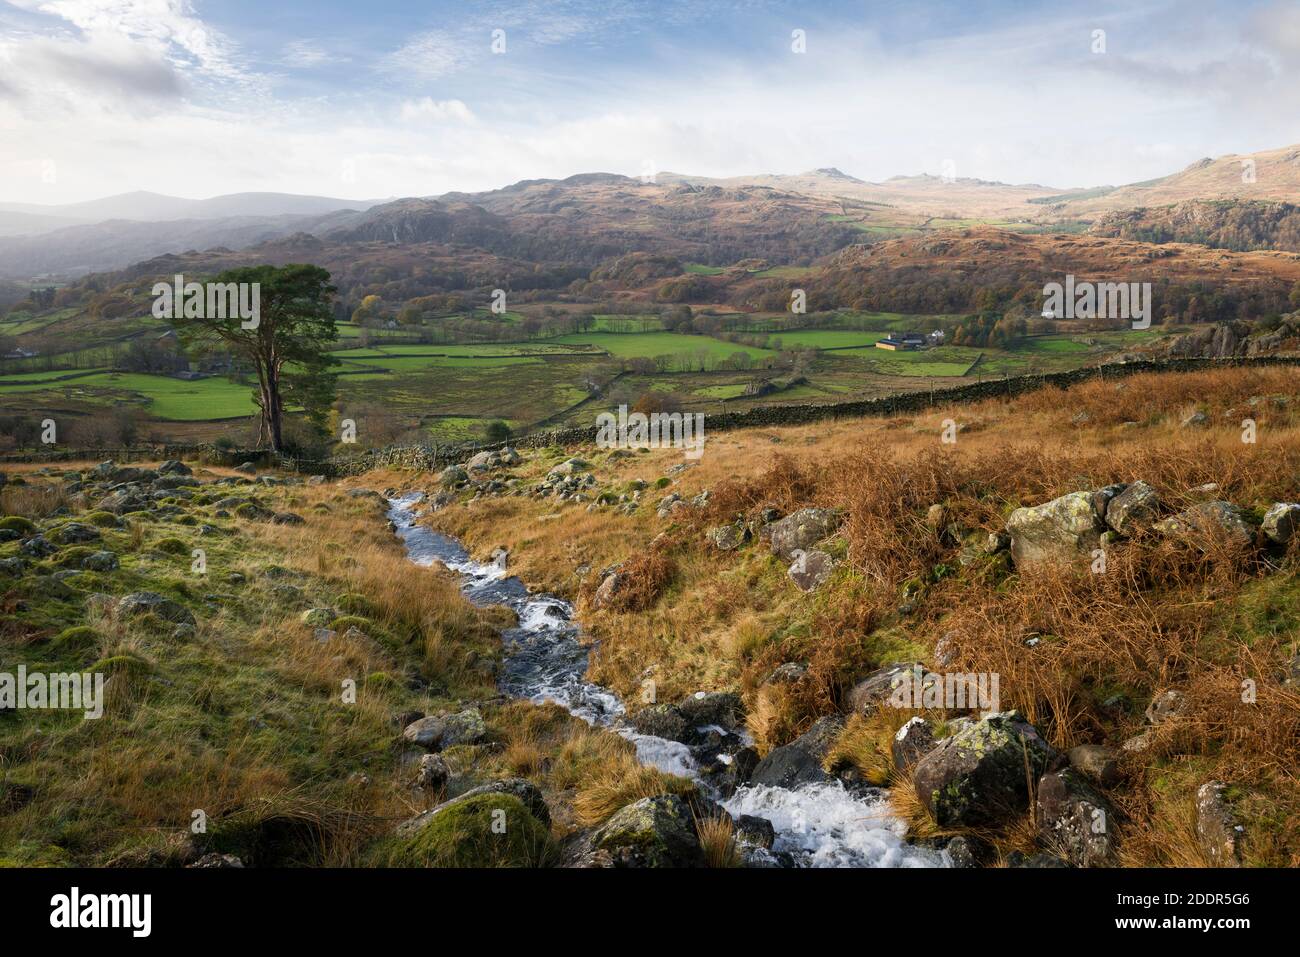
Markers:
point(1162, 616)
point(717, 836)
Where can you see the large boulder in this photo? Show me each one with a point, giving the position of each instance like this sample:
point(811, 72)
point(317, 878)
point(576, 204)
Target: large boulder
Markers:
point(979, 776)
point(1057, 531)
point(1075, 820)
point(439, 731)
point(483, 829)
point(483, 462)
point(525, 791)
point(801, 531)
point(800, 761)
point(1282, 522)
point(1208, 523)
point(653, 832)
point(1133, 508)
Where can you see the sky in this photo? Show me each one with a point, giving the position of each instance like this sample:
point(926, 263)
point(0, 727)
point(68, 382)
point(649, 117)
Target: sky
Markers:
point(369, 99)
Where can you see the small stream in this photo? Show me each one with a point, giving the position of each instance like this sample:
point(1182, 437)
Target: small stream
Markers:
point(821, 825)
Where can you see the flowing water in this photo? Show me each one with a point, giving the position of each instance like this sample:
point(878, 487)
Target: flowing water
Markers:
point(820, 825)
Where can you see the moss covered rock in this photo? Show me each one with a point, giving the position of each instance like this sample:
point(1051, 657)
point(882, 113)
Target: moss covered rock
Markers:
point(16, 523)
point(480, 830)
point(653, 832)
point(980, 776)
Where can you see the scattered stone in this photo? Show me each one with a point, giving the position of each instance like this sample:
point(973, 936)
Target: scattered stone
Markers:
point(801, 530)
point(800, 761)
point(727, 538)
point(38, 547)
point(440, 731)
point(1166, 705)
point(75, 533)
point(1133, 508)
point(661, 721)
point(452, 476)
point(1281, 522)
point(431, 773)
point(997, 542)
point(721, 708)
point(811, 569)
point(1209, 520)
point(1096, 762)
point(174, 467)
point(246, 468)
point(215, 860)
point(787, 674)
point(875, 689)
point(287, 518)
point(317, 617)
point(147, 602)
point(755, 831)
point(1076, 820)
point(1195, 420)
point(912, 742)
point(101, 561)
point(606, 592)
point(1216, 826)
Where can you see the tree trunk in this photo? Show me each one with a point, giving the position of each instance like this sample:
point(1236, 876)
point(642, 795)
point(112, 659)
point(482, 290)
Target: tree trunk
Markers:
point(273, 408)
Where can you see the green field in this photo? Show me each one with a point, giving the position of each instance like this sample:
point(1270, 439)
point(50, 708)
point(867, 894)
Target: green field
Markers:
point(825, 338)
point(647, 345)
point(165, 397)
point(700, 270)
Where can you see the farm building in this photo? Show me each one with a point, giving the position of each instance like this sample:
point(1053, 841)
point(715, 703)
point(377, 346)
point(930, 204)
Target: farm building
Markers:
point(903, 342)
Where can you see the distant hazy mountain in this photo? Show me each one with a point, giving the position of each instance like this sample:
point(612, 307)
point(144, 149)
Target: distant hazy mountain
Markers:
point(592, 217)
point(115, 243)
point(155, 207)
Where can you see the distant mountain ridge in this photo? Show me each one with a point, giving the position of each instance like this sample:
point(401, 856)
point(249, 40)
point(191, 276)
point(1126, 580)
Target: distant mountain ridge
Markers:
point(591, 217)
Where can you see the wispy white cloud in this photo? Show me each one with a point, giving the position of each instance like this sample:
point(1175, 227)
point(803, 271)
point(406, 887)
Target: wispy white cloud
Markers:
point(438, 111)
point(307, 54)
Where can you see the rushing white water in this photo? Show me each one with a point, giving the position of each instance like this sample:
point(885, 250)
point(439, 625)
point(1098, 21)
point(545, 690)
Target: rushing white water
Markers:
point(817, 825)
